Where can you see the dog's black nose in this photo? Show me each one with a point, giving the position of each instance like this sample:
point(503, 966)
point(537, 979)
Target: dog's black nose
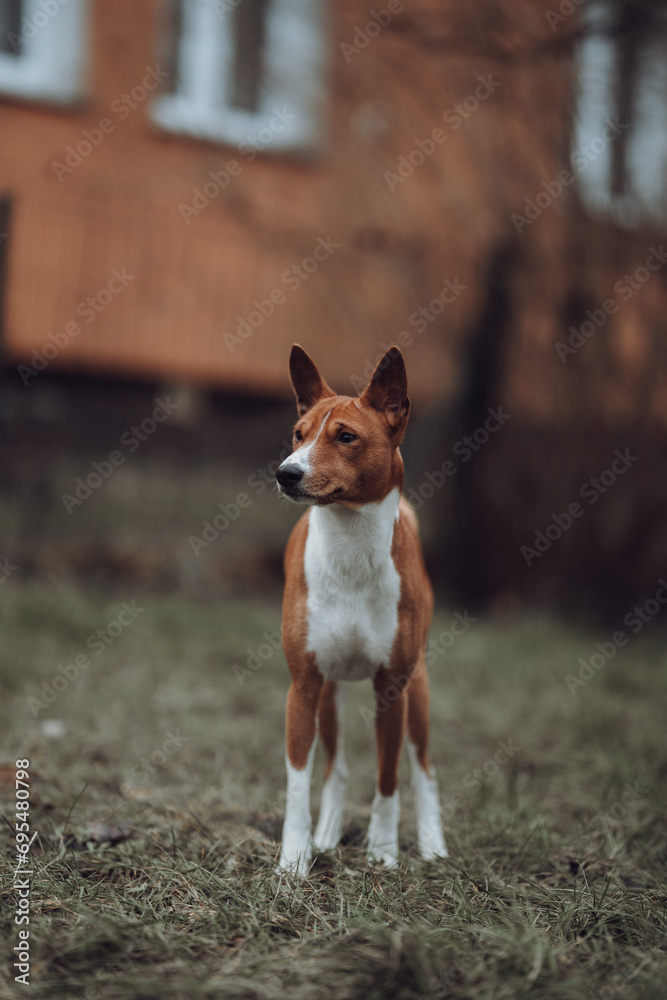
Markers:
point(289, 475)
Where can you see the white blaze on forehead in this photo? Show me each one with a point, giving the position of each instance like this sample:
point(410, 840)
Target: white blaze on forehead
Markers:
point(301, 456)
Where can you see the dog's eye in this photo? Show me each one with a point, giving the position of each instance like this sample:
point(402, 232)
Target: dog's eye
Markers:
point(297, 435)
point(345, 437)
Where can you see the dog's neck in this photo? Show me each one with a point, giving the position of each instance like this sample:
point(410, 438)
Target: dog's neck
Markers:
point(355, 542)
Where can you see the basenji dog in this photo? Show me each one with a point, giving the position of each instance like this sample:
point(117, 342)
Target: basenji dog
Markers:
point(357, 605)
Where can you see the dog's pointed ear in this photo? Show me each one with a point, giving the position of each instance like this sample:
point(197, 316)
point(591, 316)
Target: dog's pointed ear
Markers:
point(308, 384)
point(387, 391)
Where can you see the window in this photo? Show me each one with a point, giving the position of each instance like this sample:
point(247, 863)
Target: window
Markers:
point(620, 142)
point(10, 27)
point(245, 72)
point(42, 49)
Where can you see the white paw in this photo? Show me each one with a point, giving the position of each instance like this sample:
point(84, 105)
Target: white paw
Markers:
point(330, 822)
point(430, 837)
point(383, 830)
point(294, 862)
point(432, 845)
point(328, 836)
point(387, 857)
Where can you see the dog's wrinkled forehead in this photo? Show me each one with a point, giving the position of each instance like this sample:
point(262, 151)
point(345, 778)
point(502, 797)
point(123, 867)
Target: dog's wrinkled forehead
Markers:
point(315, 426)
point(304, 448)
point(313, 423)
point(348, 410)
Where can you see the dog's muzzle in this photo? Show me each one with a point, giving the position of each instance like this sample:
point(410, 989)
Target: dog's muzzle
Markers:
point(289, 476)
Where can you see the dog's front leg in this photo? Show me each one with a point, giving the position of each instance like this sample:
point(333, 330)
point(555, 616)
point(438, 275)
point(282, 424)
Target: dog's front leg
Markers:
point(301, 731)
point(391, 704)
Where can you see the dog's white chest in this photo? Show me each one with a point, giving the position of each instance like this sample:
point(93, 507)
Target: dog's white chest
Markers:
point(353, 589)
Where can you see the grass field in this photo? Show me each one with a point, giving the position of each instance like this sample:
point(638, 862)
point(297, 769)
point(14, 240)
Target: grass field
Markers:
point(156, 787)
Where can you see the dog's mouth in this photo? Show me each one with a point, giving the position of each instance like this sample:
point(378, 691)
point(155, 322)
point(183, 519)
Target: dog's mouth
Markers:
point(312, 499)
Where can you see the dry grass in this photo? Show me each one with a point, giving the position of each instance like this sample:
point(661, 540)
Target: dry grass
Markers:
point(154, 861)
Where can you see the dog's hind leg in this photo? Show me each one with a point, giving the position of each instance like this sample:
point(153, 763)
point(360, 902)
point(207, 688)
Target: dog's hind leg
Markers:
point(330, 717)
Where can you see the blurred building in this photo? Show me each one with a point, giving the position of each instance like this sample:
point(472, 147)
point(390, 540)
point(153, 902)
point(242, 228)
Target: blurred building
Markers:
point(190, 186)
point(196, 185)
